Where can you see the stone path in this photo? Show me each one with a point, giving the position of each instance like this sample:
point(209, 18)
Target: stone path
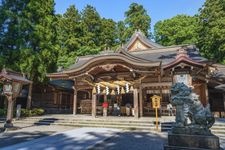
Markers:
point(28, 133)
point(134, 141)
point(77, 139)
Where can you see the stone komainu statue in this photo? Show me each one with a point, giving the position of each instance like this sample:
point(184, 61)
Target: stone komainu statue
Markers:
point(188, 106)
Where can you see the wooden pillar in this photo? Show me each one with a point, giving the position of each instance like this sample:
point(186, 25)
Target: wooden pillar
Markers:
point(160, 87)
point(105, 98)
point(136, 103)
point(29, 96)
point(10, 108)
point(75, 99)
point(55, 97)
point(60, 100)
point(93, 110)
point(75, 102)
point(141, 101)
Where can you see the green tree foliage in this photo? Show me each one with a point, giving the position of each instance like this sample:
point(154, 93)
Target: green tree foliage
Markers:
point(181, 29)
point(91, 25)
point(121, 32)
point(212, 30)
point(39, 54)
point(108, 33)
point(11, 32)
point(69, 33)
point(137, 18)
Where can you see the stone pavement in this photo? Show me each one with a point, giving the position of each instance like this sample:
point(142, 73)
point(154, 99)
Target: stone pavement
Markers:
point(28, 133)
point(133, 140)
point(77, 139)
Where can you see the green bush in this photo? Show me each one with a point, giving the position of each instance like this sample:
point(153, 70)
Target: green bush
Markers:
point(32, 112)
point(37, 112)
point(26, 113)
point(2, 112)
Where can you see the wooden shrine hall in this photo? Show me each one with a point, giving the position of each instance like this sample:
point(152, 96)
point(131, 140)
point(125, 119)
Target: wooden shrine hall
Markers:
point(130, 76)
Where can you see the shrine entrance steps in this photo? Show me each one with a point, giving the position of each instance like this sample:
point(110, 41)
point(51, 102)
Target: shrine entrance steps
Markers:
point(126, 123)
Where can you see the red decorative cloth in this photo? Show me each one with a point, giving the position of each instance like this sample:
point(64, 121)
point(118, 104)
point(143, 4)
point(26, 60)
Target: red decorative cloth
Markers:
point(105, 104)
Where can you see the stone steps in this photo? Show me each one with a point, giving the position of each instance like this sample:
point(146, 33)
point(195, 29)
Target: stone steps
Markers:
point(107, 122)
point(127, 124)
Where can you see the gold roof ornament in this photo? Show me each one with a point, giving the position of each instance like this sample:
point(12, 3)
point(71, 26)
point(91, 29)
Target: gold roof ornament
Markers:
point(94, 90)
point(131, 88)
point(122, 90)
point(113, 92)
point(103, 92)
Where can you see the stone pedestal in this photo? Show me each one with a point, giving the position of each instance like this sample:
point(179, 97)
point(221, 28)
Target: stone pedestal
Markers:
point(192, 142)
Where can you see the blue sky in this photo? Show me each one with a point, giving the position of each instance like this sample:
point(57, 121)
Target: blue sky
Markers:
point(114, 9)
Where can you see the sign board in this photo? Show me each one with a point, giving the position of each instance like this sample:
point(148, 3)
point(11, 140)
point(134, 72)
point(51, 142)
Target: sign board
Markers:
point(156, 101)
point(156, 105)
point(183, 78)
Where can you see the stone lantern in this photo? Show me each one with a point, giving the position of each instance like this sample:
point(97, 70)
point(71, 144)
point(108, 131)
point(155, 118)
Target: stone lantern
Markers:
point(12, 85)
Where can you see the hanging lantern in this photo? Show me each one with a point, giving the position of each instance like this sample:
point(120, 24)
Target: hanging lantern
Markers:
point(113, 92)
point(122, 91)
point(94, 90)
point(131, 88)
point(118, 89)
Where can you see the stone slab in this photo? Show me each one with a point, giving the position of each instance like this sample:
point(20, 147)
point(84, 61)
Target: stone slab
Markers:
point(194, 141)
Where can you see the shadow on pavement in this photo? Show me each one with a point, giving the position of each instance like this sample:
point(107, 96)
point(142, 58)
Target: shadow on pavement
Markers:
point(133, 141)
point(12, 138)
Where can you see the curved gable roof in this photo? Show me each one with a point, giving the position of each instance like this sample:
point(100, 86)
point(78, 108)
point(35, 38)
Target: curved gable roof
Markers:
point(139, 38)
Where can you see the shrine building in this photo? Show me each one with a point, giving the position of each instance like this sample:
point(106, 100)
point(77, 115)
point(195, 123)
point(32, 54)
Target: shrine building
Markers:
point(130, 76)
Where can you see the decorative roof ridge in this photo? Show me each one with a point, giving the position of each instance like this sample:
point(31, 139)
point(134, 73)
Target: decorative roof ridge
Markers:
point(123, 51)
point(140, 35)
point(182, 56)
point(163, 49)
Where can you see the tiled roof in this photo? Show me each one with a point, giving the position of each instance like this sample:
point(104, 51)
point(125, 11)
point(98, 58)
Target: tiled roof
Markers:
point(13, 76)
point(164, 54)
point(168, 54)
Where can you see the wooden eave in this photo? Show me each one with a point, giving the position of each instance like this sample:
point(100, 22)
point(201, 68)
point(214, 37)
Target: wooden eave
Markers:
point(183, 59)
point(13, 76)
point(124, 58)
point(59, 75)
point(93, 62)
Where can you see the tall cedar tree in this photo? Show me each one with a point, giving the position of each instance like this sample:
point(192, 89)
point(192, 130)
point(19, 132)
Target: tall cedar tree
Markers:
point(108, 33)
point(12, 26)
point(137, 18)
point(69, 33)
point(212, 30)
point(91, 25)
point(121, 32)
point(40, 54)
point(181, 29)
